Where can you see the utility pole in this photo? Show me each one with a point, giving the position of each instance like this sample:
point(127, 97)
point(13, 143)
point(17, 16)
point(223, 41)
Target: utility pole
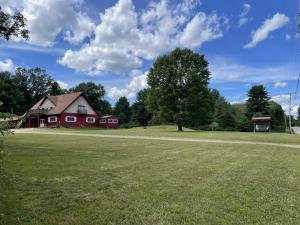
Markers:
point(290, 113)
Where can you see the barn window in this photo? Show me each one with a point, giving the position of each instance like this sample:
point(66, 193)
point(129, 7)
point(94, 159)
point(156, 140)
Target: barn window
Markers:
point(52, 119)
point(110, 121)
point(71, 119)
point(90, 119)
point(103, 121)
point(115, 121)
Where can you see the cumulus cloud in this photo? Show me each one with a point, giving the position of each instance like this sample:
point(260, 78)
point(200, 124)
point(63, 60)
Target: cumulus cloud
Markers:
point(138, 83)
point(269, 25)
point(62, 84)
point(280, 84)
point(243, 16)
point(7, 65)
point(46, 19)
point(125, 37)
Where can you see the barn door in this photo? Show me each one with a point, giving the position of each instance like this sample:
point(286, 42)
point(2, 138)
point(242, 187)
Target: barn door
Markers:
point(42, 122)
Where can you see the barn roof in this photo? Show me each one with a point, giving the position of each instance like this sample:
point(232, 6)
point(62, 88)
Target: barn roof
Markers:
point(61, 102)
point(266, 118)
point(108, 117)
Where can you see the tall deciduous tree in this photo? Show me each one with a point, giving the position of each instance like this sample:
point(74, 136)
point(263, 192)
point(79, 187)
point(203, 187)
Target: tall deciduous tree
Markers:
point(258, 101)
point(10, 94)
point(12, 25)
point(122, 110)
point(277, 116)
point(179, 86)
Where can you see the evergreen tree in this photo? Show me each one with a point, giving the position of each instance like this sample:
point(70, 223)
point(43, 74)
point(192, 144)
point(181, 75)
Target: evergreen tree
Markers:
point(122, 110)
point(140, 114)
point(258, 101)
point(179, 88)
point(105, 108)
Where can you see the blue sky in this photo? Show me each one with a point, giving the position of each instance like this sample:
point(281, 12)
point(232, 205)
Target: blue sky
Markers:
point(115, 42)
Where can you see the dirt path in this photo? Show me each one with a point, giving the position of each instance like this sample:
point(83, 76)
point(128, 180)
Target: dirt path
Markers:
point(199, 140)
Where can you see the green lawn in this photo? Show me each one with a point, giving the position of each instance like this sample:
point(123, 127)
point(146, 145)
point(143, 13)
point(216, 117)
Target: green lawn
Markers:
point(170, 131)
point(65, 180)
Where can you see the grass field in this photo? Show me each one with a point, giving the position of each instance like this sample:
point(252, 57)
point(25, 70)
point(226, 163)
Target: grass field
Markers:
point(66, 180)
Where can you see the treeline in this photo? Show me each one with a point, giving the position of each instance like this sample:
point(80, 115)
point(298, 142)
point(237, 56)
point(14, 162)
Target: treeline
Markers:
point(178, 94)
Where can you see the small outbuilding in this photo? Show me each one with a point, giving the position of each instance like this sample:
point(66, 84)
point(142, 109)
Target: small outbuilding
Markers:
point(109, 121)
point(261, 124)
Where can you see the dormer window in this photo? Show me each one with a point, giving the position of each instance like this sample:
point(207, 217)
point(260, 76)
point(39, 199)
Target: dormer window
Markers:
point(81, 109)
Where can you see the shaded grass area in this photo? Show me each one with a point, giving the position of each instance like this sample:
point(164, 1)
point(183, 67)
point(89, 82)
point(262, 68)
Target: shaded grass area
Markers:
point(82, 180)
point(170, 131)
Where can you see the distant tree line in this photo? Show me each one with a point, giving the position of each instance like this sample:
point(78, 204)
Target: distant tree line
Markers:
point(178, 94)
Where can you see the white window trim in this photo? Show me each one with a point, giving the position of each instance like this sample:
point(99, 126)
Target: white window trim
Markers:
point(87, 119)
point(50, 117)
point(75, 119)
point(115, 121)
point(110, 121)
point(102, 121)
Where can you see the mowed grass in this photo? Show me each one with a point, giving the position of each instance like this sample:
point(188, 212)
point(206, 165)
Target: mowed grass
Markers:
point(64, 180)
point(171, 131)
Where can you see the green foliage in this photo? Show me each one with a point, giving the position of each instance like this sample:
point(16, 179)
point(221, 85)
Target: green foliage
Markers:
point(55, 89)
point(140, 114)
point(122, 110)
point(105, 107)
point(12, 25)
point(258, 101)
point(11, 96)
point(178, 88)
point(243, 123)
point(223, 112)
point(278, 117)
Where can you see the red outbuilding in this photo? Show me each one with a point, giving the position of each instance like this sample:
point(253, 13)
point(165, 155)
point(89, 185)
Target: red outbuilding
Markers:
point(69, 110)
point(109, 121)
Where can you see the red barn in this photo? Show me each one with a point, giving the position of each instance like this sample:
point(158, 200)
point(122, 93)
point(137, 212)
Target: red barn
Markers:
point(109, 121)
point(69, 110)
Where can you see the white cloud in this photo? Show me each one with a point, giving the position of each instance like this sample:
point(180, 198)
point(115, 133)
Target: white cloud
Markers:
point(200, 29)
point(46, 19)
point(280, 84)
point(270, 25)
point(224, 69)
point(62, 84)
point(7, 65)
point(243, 16)
point(284, 100)
point(125, 37)
point(138, 83)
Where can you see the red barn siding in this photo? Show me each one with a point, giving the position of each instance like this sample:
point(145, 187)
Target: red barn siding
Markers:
point(80, 120)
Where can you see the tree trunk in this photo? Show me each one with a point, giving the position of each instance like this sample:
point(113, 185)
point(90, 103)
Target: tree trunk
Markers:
point(179, 125)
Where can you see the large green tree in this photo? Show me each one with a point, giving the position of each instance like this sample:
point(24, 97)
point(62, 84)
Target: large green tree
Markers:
point(93, 92)
point(122, 110)
point(10, 95)
point(223, 112)
point(258, 101)
point(179, 86)
point(140, 114)
point(277, 117)
point(12, 25)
